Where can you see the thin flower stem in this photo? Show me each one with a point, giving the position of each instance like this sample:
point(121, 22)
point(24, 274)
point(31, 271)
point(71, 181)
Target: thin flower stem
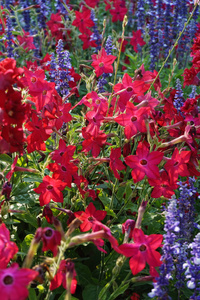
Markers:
point(119, 287)
point(175, 44)
point(113, 192)
point(117, 66)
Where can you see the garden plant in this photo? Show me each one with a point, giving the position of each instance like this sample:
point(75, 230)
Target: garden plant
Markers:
point(99, 150)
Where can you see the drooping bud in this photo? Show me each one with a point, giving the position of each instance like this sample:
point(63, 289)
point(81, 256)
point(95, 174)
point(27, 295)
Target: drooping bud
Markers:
point(6, 190)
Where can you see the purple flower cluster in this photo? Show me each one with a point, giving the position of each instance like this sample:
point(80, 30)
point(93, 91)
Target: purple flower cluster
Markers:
point(178, 98)
point(59, 69)
point(192, 267)
point(179, 227)
point(96, 36)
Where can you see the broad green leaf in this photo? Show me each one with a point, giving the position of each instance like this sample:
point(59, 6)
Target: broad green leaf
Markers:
point(118, 292)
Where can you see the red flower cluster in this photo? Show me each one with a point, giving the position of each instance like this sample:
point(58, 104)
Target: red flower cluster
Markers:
point(13, 281)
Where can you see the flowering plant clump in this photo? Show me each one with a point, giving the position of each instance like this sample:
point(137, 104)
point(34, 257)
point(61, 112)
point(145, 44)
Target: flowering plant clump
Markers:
point(99, 150)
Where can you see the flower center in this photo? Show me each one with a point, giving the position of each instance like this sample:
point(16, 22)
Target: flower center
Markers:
point(8, 280)
point(90, 218)
point(129, 89)
point(142, 248)
point(133, 119)
point(10, 113)
point(33, 79)
point(49, 187)
point(176, 163)
point(44, 92)
point(49, 232)
point(63, 168)
point(101, 64)
point(98, 101)
point(143, 162)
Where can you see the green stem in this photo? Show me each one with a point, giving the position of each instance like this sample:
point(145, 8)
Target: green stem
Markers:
point(113, 193)
point(121, 285)
point(123, 207)
point(175, 44)
point(117, 66)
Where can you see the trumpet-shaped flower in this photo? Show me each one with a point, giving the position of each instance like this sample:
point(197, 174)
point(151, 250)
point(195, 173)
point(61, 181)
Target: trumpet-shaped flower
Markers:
point(144, 163)
point(142, 251)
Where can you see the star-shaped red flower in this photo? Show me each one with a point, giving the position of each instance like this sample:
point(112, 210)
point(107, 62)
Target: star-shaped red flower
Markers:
point(142, 251)
point(103, 62)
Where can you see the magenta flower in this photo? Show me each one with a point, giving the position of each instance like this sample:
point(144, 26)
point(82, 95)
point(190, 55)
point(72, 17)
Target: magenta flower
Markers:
point(115, 163)
point(89, 217)
point(14, 282)
point(50, 189)
point(144, 163)
point(142, 251)
point(65, 273)
point(51, 240)
point(7, 248)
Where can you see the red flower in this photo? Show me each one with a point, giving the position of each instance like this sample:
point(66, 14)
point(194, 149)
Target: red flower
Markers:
point(86, 39)
point(9, 73)
point(128, 86)
point(55, 25)
point(144, 163)
point(14, 282)
point(163, 186)
point(93, 143)
point(95, 120)
point(64, 171)
point(83, 20)
point(177, 165)
point(190, 77)
point(7, 248)
point(115, 163)
point(26, 41)
point(51, 240)
point(36, 139)
point(65, 272)
point(142, 251)
point(118, 12)
point(68, 151)
point(133, 120)
point(135, 296)
point(103, 62)
point(92, 3)
point(89, 216)
point(137, 40)
point(50, 189)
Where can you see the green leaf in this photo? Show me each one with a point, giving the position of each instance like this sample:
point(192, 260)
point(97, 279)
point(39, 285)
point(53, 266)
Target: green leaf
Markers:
point(110, 212)
point(28, 218)
point(91, 292)
point(84, 274)
point(6, 158)
point(118, 292)
point(32, 295)
point(62, 297)
point(26, 243)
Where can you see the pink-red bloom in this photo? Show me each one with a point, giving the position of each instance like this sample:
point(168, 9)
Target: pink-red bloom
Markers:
point(14, 282)
point(7, 248)
point(89, 217)
point(144, 163)
point(142, 251)
point(65, 272)
point(137, 40)
point(102, 62)
point(51, 240)
point(50, 189)
point(115, 163)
